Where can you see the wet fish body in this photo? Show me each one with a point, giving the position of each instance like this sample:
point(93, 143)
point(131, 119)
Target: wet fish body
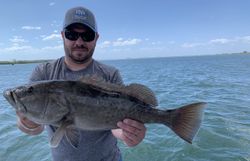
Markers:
point(91, 104)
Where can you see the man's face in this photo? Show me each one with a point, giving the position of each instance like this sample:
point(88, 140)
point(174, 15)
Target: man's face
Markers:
point(77, 49)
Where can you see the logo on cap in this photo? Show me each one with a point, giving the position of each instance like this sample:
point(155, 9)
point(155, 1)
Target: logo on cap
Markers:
point(80, 14)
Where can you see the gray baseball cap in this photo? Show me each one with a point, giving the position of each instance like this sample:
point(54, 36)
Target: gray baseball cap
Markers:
point(80, 15)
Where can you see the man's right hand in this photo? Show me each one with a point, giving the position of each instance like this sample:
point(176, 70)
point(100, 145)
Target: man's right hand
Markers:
point(27, 126)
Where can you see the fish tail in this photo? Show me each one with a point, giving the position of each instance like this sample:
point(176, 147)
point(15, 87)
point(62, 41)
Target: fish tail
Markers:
point(186, 120)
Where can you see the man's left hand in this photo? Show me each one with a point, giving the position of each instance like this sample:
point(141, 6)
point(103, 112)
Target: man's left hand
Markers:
point(131, 132)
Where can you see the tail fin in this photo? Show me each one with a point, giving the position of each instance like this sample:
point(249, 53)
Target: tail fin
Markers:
point(186, 120)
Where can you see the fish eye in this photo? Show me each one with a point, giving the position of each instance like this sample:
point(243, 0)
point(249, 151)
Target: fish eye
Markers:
point(30, 90)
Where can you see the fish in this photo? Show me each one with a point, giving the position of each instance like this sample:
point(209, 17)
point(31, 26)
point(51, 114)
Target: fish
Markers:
point(93, 104)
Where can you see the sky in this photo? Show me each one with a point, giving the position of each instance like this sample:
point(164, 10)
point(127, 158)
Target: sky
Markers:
point(128, 28)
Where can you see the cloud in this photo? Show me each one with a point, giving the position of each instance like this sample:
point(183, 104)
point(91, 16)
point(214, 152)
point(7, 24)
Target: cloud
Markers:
point(25, 49)
point(105, 44)
point(156, 43)
point(51, 37)
point(52, 47)
point(16, 48)
point(210, 42)
point(171, 42)
point(120, 42)
point(31, 28)
point(52, 3)
point(17, 39)
point(220, 41)
point(244, 39)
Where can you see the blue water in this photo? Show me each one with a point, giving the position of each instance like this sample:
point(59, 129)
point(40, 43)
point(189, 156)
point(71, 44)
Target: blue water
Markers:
point(223, 81)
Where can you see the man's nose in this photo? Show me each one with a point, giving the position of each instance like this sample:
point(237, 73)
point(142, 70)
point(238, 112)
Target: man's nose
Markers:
point(79, 41)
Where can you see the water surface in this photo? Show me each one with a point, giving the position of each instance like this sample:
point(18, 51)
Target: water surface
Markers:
point(223, 81)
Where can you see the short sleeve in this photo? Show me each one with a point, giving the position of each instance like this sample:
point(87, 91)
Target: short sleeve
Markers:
point(37, 74)
point(117, 79)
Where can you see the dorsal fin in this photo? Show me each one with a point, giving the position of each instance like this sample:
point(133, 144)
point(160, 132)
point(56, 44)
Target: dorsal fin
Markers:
point(139, 91)
point(143, 93)
point(99, 82)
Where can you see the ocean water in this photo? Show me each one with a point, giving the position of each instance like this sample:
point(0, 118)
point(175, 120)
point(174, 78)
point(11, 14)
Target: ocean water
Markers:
point(223, 81)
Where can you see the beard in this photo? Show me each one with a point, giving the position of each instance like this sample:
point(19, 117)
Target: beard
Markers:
point(79, 57)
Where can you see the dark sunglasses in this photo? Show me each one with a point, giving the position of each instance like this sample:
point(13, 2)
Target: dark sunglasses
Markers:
point(73, 36)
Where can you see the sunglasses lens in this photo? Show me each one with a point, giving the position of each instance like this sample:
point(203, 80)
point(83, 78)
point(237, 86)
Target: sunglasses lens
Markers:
point(86, 36)
point(71, 35)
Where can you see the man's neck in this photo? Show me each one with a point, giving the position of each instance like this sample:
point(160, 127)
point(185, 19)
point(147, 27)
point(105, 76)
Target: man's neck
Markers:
point(75, 66)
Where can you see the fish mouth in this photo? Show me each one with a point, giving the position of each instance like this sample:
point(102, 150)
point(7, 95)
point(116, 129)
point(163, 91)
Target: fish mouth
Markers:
point(20, 106)
point(13, 99)
point(8, 95)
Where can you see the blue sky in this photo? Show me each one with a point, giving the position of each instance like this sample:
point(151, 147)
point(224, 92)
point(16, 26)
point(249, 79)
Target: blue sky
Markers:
point(128, 28)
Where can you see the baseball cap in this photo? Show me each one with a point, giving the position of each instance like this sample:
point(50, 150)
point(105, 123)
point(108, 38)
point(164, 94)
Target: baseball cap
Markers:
point(80, 15)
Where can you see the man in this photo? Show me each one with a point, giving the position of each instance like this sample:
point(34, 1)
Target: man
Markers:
point(79, 37)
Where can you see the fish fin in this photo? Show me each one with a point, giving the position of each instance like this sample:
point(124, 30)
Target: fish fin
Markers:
point(73, 136)
point(186, 120)
point(58, 135)
point(100, 83)
point(143, 93)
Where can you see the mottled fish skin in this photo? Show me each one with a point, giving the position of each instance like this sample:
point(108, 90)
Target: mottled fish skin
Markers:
point(91, 104)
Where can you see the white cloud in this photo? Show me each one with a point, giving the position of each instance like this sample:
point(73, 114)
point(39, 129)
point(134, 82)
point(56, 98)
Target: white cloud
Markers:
point(56, 24)
point(105, 44)
point(128, 42)
point(220, 41)
point(16, 48)
point(52, 47)
point(171, 42)
point(156, 43)
point(52, 3)
point(210, 42)
point(191, 45)
point(51, 37)
point(17, 39)
point(31, 28)
point(245, 39)
point(119, 43)
point(24, 52)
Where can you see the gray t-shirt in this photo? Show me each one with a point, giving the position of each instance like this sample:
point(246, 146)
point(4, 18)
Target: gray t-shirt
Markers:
point(94, 145)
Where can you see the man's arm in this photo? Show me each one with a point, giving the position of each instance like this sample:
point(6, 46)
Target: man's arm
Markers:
point(131, 132)
point(24, 124)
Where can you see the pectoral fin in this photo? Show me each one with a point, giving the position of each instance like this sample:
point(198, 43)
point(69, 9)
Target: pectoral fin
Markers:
point(73, 136)
point(59, 133)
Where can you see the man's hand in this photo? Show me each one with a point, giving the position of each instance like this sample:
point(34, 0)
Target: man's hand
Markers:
point(27, 126)
point(131, 132)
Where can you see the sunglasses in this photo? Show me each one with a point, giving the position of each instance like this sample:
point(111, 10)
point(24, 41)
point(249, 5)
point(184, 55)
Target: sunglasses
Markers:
point(86, 36)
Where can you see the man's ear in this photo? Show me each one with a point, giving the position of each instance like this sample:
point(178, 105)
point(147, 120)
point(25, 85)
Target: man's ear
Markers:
point(62, 34)
point(97, 36)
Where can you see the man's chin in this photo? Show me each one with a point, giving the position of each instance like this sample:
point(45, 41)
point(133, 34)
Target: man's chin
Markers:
point(81, 60)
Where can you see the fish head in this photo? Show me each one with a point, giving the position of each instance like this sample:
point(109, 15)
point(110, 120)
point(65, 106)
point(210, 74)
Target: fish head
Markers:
point(34, 102)
point(8, 95)
point(22, 98)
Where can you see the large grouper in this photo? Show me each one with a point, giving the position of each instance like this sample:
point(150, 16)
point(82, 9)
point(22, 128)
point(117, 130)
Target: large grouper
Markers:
point(93, 104)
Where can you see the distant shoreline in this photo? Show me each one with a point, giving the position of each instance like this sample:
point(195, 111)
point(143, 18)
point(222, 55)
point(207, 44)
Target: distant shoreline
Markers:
point(13, 62)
